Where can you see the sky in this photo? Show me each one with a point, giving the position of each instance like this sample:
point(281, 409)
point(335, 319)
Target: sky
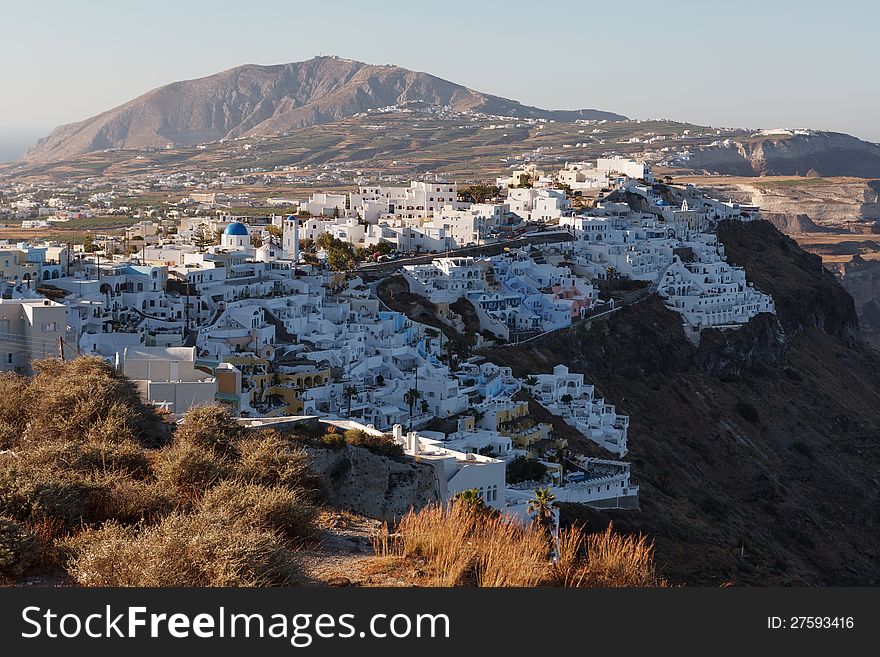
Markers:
point(749, 63)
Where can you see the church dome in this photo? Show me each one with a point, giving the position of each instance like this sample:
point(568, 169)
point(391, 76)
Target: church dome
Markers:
point(236, 228)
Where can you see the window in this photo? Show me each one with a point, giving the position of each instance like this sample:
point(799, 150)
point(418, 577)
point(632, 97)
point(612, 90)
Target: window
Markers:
point(50, 326)
point(9, 358)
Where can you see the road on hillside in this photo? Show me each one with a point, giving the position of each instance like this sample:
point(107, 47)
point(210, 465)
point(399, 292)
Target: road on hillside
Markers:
point(494, 248)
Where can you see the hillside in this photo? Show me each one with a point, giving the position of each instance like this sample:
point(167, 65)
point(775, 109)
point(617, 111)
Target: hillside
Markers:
point(757, 452)
point(253, 100)
point(812, 153)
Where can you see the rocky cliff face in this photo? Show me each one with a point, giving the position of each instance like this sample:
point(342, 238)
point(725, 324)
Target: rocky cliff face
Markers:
point(271, 100)
point(809, 204)
point(756, 452)
point(813, 154)
point(374, 486)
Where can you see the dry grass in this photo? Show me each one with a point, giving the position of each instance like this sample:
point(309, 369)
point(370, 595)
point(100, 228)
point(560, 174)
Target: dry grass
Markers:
point(210, 427)
point(460, 545)
point(268, 458)
point(618, 561)
point(182, 550)
point(84, 397)
point(190, 469)
point(274, 508)
point(19, 548)
point(463, 545)
point(92, 455)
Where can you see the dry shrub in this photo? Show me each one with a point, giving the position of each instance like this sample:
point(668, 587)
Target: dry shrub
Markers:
point(27, 493)
point(381, 445)
point(128, 501)
point(14, 391)
point(85, 394)
point(268, 458)
point(190, 468)
point(182, 550)
point(283, 510)
point(465, 545)
point(618, 561)
point(211, 427)
point(91, 457)
point(20, 549)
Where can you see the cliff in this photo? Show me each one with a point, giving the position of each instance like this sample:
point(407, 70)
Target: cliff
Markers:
point(813, 153)
point(371, 485)
point(804, 205)
point(756, 452)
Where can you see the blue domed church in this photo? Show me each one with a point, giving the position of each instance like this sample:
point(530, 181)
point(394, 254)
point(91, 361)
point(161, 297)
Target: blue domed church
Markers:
point(235, 236)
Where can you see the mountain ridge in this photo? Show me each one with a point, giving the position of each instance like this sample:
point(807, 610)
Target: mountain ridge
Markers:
point(257, 100)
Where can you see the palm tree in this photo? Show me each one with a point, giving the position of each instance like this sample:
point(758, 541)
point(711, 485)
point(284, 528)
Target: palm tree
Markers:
point(348, 392)
point(425, 406)
point(542, 506)
point(531, 381)
point(411, 396)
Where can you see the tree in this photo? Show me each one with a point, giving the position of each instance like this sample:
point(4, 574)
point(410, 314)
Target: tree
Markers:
point(348, 392)
point(274, 231)
point(611, 273)
point(202, 237)
point(531, 381)
point(542, 505)
point(256, 241)
point(471, 498)
point(411, 396)
point(522, 469)
point(525, 180)
point(425, 406)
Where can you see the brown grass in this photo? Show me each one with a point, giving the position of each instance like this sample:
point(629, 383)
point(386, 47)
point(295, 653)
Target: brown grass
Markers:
point(461, 545)
point(618, 561)
point(273, 508)
point(182, 550)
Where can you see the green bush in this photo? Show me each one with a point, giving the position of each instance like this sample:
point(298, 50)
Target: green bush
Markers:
point(522, 469)
point(381, 445)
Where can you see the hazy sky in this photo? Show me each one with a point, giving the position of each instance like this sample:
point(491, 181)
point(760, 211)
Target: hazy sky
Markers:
point(766, 63)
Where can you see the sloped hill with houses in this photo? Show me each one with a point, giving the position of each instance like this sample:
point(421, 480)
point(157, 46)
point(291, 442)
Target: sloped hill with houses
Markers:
point(757, 451)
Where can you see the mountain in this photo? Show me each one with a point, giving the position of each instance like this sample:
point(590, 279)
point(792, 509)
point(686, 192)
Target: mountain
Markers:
point(254, 100)
point(798, 153)
point(756, 452)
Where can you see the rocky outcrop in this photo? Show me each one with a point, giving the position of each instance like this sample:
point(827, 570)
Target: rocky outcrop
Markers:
point(375, 486)
point(861, 278)
point(806, 295)
point(805, 205)
point(271, 100)
point(814, 153)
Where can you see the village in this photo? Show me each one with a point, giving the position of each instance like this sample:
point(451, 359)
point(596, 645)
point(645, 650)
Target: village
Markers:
point(287, 317)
